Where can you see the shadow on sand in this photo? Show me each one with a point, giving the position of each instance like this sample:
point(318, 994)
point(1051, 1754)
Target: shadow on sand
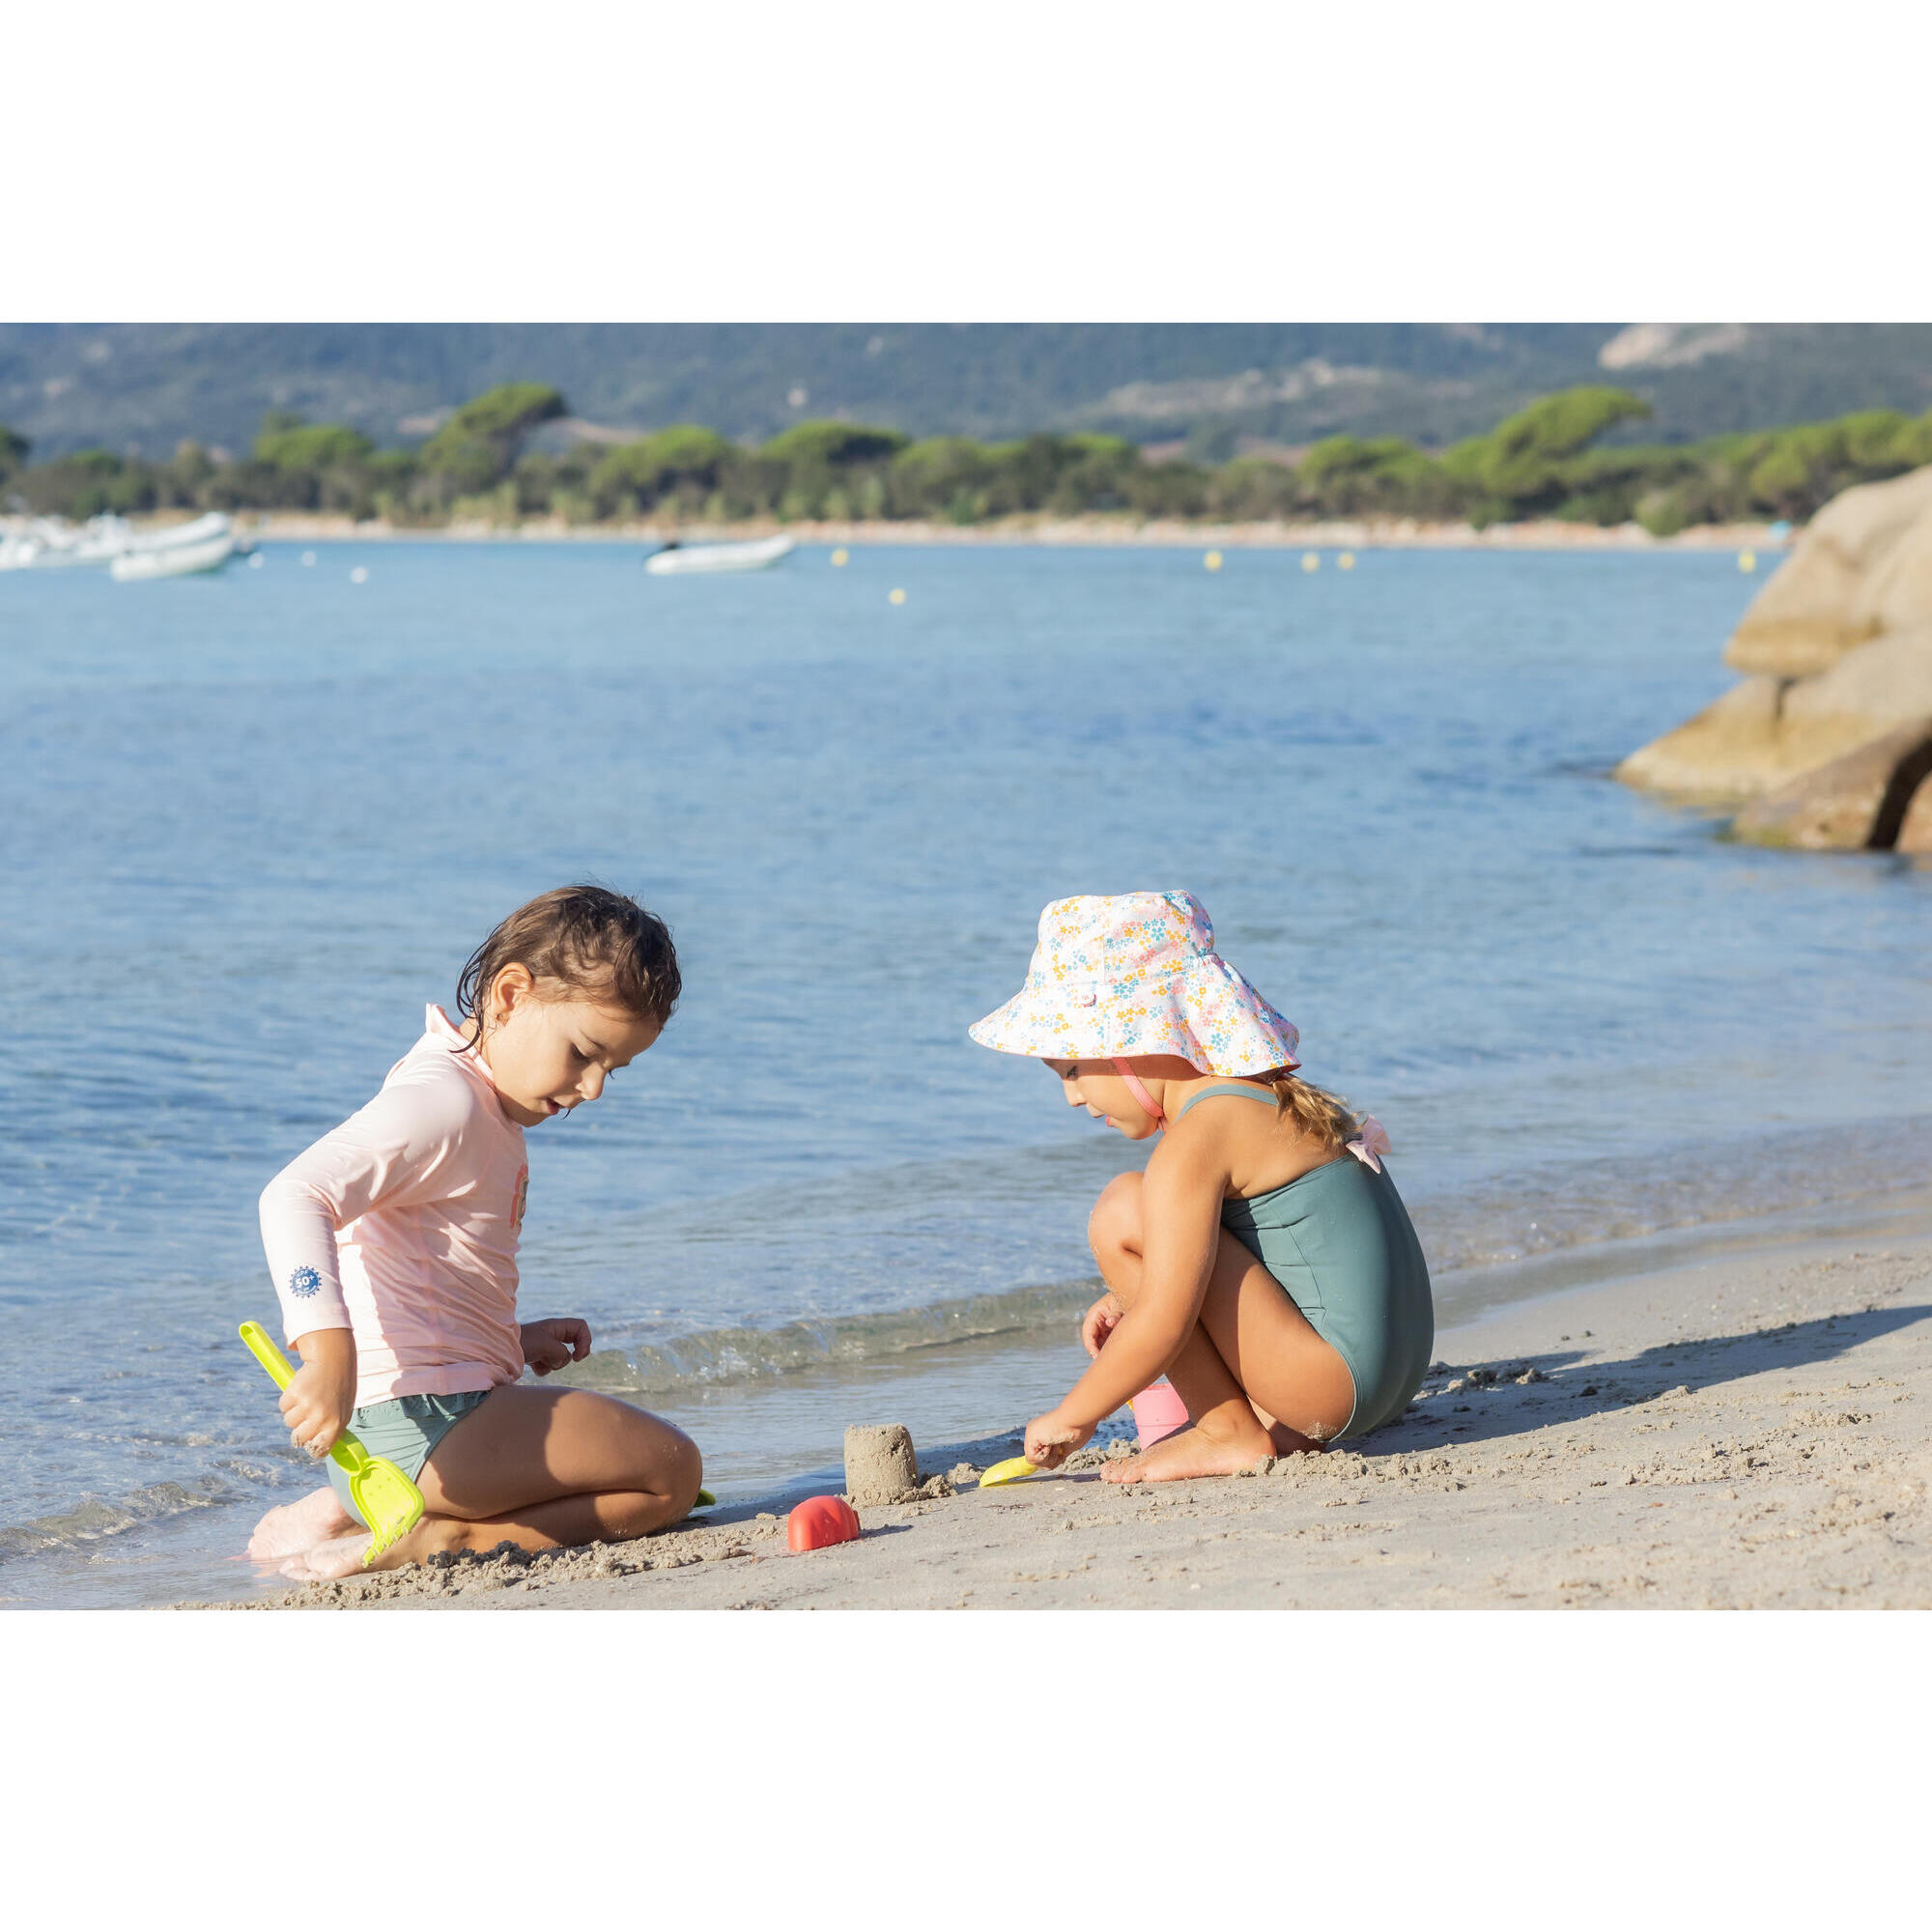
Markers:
point(1564, 1390)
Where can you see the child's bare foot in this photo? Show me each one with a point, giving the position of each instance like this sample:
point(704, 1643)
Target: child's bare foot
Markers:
point(1192, 1452)
point(342, 1555)
point(294, 1527)
point(333, 1556)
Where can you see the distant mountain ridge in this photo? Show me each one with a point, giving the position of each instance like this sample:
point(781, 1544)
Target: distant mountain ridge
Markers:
point(143, 388)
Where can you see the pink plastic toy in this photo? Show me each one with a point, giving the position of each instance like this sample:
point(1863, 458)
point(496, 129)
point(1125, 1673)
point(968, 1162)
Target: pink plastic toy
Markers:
point(1158, 1412)
point(819, 1520)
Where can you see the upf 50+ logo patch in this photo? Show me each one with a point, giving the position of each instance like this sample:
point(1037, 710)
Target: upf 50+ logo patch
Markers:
point(305, 1282)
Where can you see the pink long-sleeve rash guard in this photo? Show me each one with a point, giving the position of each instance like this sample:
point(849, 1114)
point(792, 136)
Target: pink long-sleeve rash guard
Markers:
point(402, 1226)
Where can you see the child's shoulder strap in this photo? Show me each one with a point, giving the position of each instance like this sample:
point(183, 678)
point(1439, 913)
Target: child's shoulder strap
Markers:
point(1240, 1087)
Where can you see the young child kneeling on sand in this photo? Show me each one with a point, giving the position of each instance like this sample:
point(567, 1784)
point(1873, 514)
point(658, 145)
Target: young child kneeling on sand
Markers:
point(393, 1246)
point(1263, 1263)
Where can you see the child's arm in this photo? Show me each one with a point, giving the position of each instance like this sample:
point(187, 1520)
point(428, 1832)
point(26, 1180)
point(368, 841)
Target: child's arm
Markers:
point(398, 1145)
point(1180, 1229)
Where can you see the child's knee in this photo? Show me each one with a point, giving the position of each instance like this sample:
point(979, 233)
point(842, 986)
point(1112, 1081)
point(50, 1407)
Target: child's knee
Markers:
point(682, 1467)
point(1115, 1223)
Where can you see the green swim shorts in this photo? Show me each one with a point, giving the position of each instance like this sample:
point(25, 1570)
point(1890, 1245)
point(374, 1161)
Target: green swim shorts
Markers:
point(403, 1432)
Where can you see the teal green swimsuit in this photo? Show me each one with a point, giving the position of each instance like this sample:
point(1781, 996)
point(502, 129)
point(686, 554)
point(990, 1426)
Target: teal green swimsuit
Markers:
point(1339, 1240)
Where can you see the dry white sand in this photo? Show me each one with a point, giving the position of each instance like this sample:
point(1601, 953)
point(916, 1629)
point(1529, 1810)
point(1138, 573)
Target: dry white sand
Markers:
point(1747, 1432)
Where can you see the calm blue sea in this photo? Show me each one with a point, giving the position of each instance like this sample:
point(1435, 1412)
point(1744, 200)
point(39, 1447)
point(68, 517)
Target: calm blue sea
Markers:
point(251, 824)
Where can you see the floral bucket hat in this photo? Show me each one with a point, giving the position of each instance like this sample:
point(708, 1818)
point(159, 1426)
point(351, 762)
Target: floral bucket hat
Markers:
point(1123, 975)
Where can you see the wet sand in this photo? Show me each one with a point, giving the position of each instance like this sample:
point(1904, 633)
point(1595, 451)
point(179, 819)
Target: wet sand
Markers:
point(1749, 1433)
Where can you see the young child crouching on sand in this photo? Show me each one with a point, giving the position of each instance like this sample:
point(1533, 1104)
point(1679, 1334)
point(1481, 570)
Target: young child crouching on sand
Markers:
point(393, 1246)
point(1264, 1262)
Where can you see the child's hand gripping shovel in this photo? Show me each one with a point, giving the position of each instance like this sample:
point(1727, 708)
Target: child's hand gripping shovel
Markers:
point(1165, 1414)
point(1014, 1469)
point(391, 1505)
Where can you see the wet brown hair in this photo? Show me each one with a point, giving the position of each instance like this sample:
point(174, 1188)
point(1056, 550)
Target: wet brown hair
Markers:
point(597, 943)
point(1312, 1109)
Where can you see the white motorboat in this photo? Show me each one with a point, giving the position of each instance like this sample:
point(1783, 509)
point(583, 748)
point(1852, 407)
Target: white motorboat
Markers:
point(185, 551)
point(52, 543)
point(679, 561)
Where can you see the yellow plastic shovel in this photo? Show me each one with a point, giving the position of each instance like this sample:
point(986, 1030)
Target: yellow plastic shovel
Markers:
point(1014, 1469)
point(391, 1505)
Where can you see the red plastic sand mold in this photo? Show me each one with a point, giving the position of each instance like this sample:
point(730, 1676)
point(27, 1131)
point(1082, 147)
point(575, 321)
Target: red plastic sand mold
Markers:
point(820, 1521)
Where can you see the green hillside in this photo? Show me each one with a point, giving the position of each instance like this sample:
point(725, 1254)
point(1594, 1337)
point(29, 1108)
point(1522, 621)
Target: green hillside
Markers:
point(1556, 457)
point(144, 389)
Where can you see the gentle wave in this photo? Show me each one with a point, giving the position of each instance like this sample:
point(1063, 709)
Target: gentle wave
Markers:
point(91, 1518)
point(263, 1479)
point(750, 1354)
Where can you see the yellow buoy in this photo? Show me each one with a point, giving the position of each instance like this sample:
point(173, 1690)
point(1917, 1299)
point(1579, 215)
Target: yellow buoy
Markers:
point(1346, 561)
point(1310, 561)
point(1213, 560)
point(1747, 559)
point(895, 597)
point(840, 556)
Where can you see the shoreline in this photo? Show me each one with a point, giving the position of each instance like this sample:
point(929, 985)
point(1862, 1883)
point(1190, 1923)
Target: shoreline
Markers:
point(1748, 1431)
point(1070, 532)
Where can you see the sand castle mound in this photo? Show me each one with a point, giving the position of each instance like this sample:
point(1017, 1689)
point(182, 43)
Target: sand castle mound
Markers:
point(880, 1465)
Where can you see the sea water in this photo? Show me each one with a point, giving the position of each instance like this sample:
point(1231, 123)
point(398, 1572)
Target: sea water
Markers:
point(253, 823)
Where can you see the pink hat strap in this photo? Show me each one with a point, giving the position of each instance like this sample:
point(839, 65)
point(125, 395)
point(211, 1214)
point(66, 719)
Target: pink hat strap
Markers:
point(1149, 1104)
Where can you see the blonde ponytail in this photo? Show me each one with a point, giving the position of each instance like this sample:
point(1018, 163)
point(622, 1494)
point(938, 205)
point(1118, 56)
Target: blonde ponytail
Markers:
point(1313, 1110)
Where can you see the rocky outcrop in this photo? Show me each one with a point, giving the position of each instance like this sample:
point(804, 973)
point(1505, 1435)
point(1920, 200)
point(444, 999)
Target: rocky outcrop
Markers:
point(1853, 803)
point(1840, 642)
point(1863, 567)
point(1768, 731)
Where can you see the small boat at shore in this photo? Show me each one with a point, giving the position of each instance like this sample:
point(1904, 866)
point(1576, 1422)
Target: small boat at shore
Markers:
point(182, 549)
point(696, 560)
point(52, 543)
point(187, 551)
